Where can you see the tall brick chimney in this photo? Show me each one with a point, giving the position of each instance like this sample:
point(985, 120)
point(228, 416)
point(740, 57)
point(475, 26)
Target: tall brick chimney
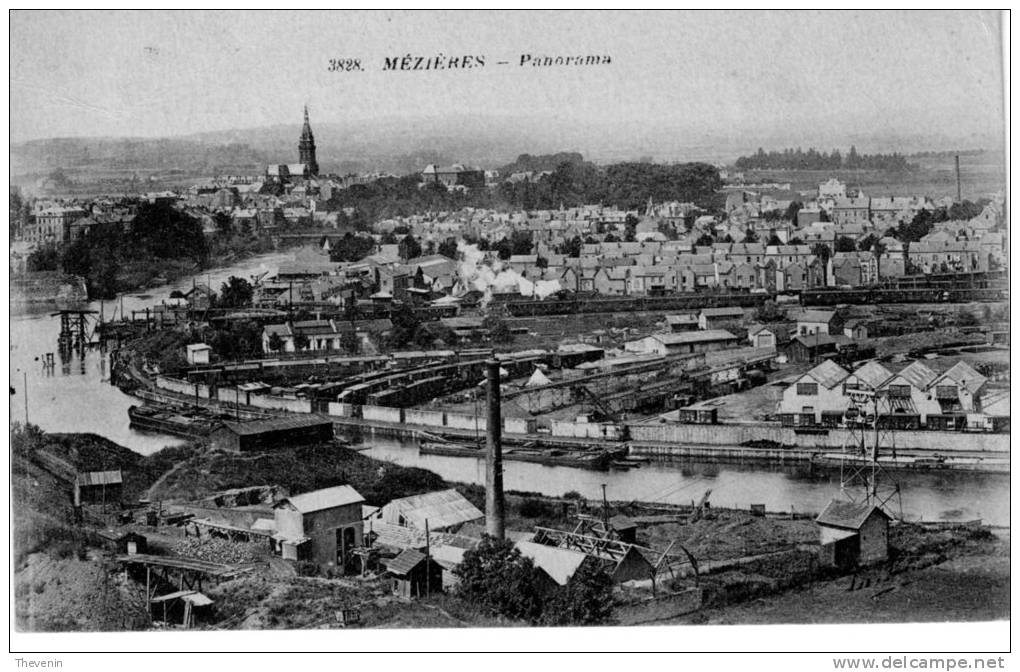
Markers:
point(494, 504)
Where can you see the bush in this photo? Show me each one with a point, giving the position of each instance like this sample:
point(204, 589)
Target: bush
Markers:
point(769, 311)
point(399, 482)
point(305, 568)
point(497, 577)
point(586, 600)
point(572, 494)
point(537, 508)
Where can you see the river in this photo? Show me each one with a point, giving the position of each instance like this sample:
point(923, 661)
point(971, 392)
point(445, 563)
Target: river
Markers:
point(75, 396)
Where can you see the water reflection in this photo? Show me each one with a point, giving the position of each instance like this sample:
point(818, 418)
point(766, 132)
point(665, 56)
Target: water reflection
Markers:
point(925, 495)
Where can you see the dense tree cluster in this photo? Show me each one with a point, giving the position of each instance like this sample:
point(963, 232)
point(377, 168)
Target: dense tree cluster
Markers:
point(496, 577)
point(159, 232)
point(571, 182)
point(812, 159)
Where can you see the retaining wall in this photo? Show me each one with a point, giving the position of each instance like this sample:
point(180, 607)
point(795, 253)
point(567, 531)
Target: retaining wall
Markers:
point(464, 421)
point(281, 403)
point(430, 418)
point(734, 435)
point(382, 414)
point(340, 409)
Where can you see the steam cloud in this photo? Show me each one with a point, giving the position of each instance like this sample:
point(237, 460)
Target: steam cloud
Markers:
point(476, 273)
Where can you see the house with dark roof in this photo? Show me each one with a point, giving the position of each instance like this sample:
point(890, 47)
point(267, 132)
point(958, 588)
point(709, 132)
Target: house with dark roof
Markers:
point(322, 526)
point(282, 432)
point(413, 574)
point(853, 534)
point(814, 348)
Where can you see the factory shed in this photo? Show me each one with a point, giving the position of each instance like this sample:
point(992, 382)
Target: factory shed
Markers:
point(853, 534)
point(415, 574)
point(323, 526)
point(445, 510)
point(239, 437)
point(98, 487)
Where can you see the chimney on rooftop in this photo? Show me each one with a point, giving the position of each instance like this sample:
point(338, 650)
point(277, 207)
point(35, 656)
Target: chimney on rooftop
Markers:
point(959, 191)
point(494, 505)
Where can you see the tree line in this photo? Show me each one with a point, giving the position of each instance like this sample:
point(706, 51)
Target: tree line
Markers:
point(812, 159)
point(571, 183)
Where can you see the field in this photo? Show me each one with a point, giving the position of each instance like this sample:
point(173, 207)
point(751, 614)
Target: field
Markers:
point(944, 576)
point(981, 175)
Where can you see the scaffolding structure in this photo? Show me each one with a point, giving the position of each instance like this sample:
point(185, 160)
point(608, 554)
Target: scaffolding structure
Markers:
point(863, 478)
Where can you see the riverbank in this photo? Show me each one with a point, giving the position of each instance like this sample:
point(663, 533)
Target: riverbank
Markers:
point(753, 568)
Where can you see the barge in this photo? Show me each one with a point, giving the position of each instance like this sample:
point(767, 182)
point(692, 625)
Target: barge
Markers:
point(595, 460)
point(169, 421)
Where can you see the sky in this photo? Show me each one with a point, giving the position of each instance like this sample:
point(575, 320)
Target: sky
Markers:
point(154, 74)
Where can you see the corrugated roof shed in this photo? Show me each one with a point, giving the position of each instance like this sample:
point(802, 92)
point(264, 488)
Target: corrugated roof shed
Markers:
point(99, 478)
point(442, 509)
point(918, 375)
point(847, 515)
point(395, 536)
point(828, 374)
point(872, 374)
point(965, 375)
point(328, 498)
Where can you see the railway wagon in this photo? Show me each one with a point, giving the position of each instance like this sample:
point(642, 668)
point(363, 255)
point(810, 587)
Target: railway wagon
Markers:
point(620, 304)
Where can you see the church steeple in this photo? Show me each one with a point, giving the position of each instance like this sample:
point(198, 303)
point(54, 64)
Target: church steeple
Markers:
point(306, 147)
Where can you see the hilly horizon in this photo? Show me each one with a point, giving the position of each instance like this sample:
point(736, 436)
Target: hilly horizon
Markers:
point(406, 144)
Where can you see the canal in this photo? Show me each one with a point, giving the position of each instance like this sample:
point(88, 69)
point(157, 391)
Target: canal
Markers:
point(75, 396)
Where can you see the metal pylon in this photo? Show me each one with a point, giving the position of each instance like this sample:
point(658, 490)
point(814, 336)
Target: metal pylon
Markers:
point(862, 478)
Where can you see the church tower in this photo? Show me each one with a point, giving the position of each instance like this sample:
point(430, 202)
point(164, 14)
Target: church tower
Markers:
point(306, 147)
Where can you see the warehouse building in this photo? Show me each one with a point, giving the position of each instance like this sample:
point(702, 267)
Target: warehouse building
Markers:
point(239, 437)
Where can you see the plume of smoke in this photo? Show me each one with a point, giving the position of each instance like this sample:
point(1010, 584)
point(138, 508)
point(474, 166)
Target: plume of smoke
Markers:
point(476, 273)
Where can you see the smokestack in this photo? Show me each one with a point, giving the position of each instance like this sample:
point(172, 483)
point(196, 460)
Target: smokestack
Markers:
point(959, 192)
point(494, 506)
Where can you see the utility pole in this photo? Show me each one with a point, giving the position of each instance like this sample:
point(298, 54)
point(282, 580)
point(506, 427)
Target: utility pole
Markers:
point(605, 510)
point(25, 377)
point(428, 561)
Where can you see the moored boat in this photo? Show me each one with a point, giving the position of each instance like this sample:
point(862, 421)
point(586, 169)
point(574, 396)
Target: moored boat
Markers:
point(598, 460)
point(167, 421)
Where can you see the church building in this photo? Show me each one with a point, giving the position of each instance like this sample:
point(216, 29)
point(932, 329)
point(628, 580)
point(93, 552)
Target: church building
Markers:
point(307, 167)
